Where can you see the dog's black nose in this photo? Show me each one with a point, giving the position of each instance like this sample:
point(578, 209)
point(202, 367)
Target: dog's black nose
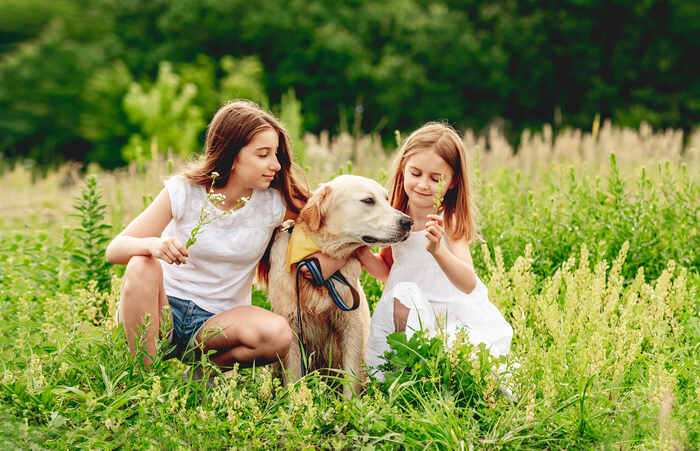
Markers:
point(406, 222)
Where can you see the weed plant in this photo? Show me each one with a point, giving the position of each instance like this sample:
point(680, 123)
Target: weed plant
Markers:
point(657, 211)
point(92, 235)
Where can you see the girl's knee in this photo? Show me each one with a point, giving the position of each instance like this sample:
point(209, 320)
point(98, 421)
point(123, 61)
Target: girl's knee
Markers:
point(141, 273)
point(142, 267)
point(279, 335)
point(275, 338)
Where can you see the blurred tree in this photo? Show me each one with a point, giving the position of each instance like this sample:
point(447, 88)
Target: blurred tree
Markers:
point(243, 79)
point(104, 121)
point(21, 20)
point(399, 62)
point(203, 74)
point(44, 68)
point(40, 96)
point(165, 115)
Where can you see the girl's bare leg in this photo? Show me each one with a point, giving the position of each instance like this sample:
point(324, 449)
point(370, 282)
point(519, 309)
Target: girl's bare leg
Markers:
point(142, 297)
point(400, 316)
point(247, 335)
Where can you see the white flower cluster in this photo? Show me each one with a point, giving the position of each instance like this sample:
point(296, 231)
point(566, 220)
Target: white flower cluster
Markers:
point(204, 215)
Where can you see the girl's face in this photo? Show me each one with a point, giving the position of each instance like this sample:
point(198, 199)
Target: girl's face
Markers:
point(256, 163)
point(421, 176)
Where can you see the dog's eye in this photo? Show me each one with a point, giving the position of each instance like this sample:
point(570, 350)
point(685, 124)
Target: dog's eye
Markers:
point(369, 201)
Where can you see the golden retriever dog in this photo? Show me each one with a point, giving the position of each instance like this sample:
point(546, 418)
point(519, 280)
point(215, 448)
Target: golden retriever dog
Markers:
point(341, 215)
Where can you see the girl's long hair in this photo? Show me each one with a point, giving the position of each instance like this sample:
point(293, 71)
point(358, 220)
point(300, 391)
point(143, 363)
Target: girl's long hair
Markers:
point(234, 126)
point(457, 204)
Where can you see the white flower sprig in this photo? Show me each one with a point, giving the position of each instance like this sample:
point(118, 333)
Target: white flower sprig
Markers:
point(215, 199)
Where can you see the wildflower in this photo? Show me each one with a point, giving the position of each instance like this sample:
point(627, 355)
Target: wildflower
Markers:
point(230, 415)
point(266, 386)
point(35, 373)
point(217, 198)
point(109, 424)
point(172, 401)
point(156, 389)
point(301, 397)
point(437, 198)
point(530, 409)
point(7, 378)
point(204, 218)
point(63, 369)
point(204, 415)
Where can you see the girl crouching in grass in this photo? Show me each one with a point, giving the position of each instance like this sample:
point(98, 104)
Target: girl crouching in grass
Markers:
point(208, 285)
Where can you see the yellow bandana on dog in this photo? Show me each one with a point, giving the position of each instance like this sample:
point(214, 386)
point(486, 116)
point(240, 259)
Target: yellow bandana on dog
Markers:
point(300, 245)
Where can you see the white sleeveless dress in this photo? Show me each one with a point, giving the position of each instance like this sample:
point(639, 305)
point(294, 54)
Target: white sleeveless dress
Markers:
point(419, 283)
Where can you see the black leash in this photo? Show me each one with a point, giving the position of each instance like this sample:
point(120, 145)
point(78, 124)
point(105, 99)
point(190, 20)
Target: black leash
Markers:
point(317, 279)
point(301, 329)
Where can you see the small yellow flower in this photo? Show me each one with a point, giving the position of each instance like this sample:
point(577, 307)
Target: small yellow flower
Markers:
point(217, 198)
point(242, 201)
point(110, 424)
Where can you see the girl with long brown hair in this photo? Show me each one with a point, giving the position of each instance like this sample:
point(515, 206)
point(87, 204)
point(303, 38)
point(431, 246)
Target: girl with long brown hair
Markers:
point(207, 286)
point(431, 274)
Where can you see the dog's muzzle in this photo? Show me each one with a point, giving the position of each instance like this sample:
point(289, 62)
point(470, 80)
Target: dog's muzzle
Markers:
point(404, 222)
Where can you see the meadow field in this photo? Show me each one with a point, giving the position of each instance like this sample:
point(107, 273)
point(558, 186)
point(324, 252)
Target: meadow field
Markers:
point(589, 245)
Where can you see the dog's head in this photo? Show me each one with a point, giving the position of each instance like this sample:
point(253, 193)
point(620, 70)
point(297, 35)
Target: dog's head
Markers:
point(355, 210)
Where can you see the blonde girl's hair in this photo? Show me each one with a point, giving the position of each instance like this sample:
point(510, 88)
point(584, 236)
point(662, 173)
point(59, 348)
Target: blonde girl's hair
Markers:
point(457, 204)
point(234, 125)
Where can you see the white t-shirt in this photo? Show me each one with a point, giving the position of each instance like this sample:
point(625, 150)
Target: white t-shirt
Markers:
point(221, 265)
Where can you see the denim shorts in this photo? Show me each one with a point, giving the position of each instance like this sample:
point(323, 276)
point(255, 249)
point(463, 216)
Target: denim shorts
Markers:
point(188, 319)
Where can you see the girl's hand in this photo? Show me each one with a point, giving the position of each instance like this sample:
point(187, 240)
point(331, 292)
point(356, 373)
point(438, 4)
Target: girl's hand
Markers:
point(362, 253)
point(170, 250)
point(378, 265)
point(329, 265)
point(434, 232)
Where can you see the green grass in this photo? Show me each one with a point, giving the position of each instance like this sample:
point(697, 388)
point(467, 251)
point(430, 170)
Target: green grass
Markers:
point(596, 271)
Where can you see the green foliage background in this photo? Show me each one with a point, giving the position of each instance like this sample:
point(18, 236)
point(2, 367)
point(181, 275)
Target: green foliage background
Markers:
point(68, 66)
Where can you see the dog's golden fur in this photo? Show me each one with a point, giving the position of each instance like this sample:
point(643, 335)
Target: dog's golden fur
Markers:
point(339, 217)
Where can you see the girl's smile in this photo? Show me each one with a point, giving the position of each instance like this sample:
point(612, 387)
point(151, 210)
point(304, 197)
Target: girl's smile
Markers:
point(422, 178)
point(256, 164)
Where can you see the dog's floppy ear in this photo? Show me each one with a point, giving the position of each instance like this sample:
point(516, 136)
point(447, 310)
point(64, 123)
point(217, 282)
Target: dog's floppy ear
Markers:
point(315, 209)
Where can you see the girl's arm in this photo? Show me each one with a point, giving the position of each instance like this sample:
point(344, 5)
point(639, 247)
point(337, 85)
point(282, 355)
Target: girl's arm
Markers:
point(457, 263)
point(329, 265)
point(142, 236)
point(378, 265)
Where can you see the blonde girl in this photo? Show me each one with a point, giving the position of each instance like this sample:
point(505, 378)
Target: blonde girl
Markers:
point(208, 285)
point(431, 274)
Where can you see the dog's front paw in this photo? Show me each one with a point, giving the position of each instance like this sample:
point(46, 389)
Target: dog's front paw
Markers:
point(288, 224)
